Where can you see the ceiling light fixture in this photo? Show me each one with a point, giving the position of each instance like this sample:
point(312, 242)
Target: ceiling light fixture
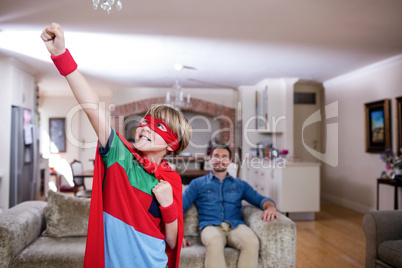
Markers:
point(178, 99)
point(180, 67)
point(107, 5)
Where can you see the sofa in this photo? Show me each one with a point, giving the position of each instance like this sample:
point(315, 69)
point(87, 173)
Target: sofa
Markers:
point(42, 234)
point(277, 240)
point(53, 234)
point(383, 231)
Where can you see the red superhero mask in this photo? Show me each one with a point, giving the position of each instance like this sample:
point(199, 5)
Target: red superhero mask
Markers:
point(169, 136)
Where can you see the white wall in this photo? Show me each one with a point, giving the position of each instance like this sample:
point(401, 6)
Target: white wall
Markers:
point(51, 107)
point(353, 182)
point(81, 138)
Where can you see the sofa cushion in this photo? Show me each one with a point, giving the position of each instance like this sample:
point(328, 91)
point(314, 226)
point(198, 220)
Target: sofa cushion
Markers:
point(390, 252)
point(190, 221)
point(194, 256)
point(66, 252)
point(66, 215)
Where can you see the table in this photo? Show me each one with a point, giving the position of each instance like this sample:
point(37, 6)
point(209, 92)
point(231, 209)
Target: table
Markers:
point(79, 179)
point(83, 175)
point(396, 183)
point(187, 159)
point(189, 174)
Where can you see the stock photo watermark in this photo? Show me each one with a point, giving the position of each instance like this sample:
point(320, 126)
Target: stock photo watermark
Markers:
point(330, 156)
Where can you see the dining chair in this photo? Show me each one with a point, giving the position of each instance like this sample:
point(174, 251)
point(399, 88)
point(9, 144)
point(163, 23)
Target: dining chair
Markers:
point(79, 179)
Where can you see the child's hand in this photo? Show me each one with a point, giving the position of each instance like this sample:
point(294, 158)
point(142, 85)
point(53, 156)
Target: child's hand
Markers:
point(163, 193)
point(53, 36)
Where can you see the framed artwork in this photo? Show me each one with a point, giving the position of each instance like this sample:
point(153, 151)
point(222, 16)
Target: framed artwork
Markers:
point(398, 105)
point(57, 134)
point(378, 126)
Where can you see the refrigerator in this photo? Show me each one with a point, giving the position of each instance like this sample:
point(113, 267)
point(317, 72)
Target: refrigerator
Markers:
point(24, 155)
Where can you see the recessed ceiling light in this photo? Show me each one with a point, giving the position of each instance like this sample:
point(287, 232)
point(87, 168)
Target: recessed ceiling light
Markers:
point(178, 67)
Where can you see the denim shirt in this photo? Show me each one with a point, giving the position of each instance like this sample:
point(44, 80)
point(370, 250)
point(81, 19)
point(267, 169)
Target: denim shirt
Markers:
point(220, 201)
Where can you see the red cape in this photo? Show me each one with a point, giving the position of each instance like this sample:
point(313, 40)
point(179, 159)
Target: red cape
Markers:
point(95, 251)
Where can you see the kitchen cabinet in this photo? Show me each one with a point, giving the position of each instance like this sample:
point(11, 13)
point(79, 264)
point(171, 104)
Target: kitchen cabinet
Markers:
point(295, 187)
point(23, 89)
point(270, 110)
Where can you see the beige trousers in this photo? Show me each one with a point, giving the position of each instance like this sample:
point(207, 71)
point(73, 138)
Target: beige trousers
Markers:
point(215, 238)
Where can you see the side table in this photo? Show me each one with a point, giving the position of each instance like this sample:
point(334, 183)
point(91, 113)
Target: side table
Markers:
point(396, 183)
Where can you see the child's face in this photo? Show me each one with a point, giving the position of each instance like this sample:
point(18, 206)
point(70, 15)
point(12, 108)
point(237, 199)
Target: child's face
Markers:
point(147, 140)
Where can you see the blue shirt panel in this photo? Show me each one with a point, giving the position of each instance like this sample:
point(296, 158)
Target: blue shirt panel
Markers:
point(220, 201)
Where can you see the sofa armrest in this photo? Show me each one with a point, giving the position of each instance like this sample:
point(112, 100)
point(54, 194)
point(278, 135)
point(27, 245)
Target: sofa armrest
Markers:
point(380, 226)
point(20, 226)
point(277, 238)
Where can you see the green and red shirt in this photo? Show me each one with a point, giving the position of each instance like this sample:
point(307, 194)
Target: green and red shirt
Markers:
point(132, 228)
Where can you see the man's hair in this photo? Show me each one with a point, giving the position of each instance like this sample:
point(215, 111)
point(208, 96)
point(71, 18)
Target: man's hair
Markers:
point(176, 121)
point(222, 146)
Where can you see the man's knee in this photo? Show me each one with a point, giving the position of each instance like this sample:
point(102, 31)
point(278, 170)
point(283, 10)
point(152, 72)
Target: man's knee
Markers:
point(215, 240)
point(248, 238)
point(251, 241)
point(211, 237)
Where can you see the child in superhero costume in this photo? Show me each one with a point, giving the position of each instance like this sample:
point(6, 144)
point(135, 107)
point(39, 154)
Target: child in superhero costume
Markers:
point(136, 215)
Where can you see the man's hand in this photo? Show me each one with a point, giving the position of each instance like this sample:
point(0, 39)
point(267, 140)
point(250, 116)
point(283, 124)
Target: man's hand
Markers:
point(163, 193)
point(185, 243)
point(53, 36)
point(269, 213)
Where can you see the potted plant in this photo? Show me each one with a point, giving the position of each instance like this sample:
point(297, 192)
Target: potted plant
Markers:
point(392, 161)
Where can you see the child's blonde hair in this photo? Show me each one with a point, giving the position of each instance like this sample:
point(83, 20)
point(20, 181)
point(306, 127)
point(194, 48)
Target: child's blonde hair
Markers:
point(176, 121)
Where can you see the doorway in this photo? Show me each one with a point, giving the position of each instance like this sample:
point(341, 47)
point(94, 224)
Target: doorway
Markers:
point(308, 99)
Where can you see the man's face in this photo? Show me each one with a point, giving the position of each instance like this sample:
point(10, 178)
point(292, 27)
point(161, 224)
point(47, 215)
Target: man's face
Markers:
point(220, 160)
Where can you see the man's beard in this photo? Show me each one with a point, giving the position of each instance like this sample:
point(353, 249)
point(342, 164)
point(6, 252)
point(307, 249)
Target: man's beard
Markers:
point(216, 169)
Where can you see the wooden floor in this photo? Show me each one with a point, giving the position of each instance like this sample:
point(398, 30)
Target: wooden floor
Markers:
point(335, 239)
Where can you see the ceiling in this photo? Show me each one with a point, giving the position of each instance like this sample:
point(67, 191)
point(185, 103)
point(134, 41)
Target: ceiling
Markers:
point(229, 42)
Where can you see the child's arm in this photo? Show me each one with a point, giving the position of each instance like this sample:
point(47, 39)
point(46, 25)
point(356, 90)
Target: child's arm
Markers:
point(53, 36)
point(164, 194)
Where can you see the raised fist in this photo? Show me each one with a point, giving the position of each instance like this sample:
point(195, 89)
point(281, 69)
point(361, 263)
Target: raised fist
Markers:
point(53, 36)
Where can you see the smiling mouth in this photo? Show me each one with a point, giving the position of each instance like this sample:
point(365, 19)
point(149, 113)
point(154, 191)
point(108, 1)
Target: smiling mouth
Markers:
point(145, 138)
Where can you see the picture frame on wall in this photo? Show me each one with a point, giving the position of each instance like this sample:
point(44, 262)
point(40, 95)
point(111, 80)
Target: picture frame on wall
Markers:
point(398, 107)
point(57, 134)
point(378, 126)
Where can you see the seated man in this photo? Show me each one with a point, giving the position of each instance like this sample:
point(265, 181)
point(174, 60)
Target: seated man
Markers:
point(218, 198)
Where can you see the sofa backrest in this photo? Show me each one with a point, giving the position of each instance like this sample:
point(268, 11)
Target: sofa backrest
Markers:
point(190, 221)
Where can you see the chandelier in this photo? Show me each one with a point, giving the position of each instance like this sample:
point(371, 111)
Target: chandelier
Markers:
point(178, 97)
point(107, 5)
